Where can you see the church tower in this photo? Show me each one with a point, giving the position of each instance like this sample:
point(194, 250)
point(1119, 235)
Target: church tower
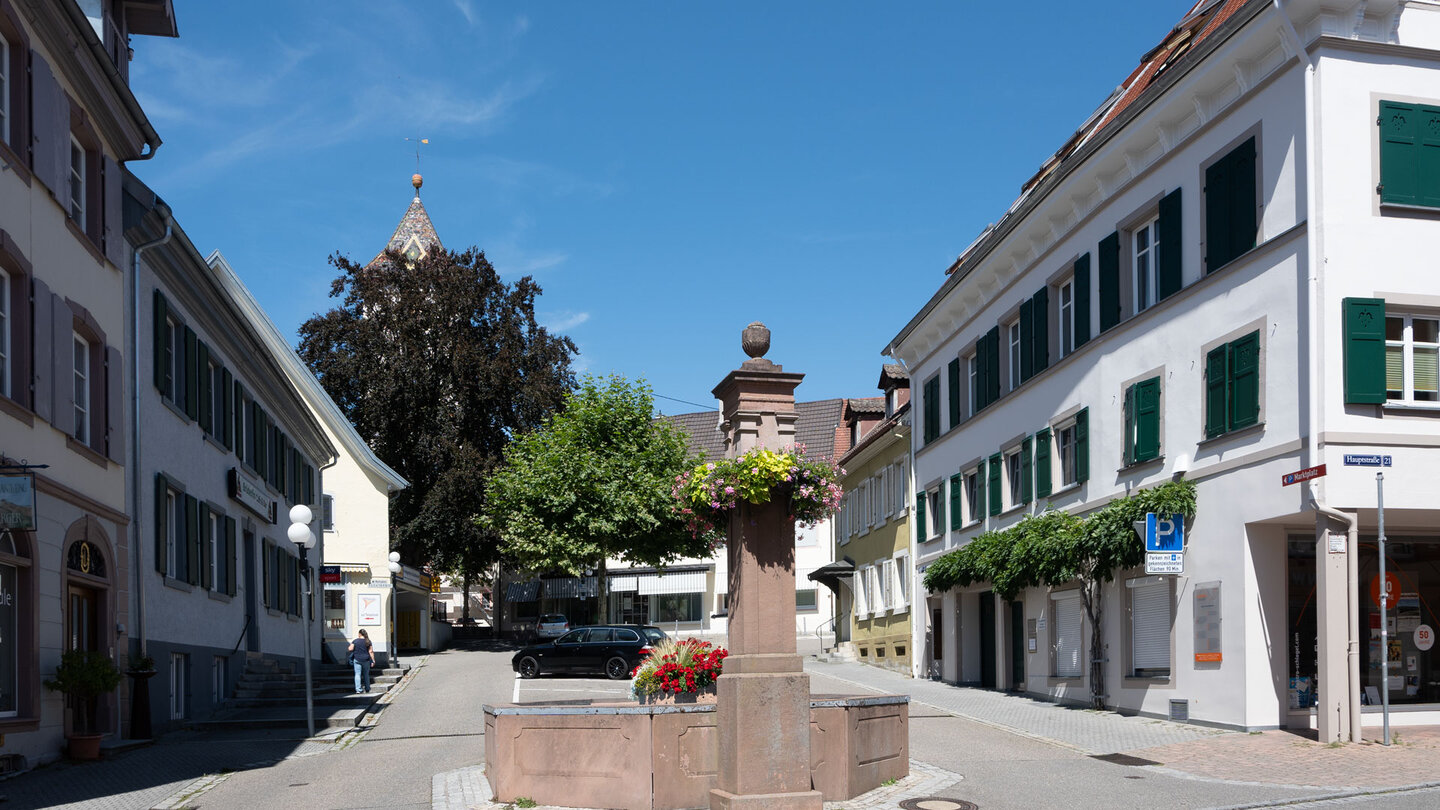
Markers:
point(415, 236)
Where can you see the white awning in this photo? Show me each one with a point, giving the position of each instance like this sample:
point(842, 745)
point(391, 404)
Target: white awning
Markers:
point(522, 591)
point(570, 588)
point(674, 582)
point(622, 584)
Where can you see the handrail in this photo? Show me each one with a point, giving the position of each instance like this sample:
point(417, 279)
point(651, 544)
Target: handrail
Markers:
point(243, 631)
point(821, 626)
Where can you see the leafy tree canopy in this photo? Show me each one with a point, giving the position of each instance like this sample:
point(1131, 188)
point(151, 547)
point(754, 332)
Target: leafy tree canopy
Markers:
point(437, 362)
point(593, 483)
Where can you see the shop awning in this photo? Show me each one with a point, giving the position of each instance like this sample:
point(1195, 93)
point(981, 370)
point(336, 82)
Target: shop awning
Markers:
point(354, 568)
point(623, 584)
point(570, 588)
point(830, 574)
point(672, 582)
point(522, 591)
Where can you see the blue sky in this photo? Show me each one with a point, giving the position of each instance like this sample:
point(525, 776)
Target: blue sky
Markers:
point(668, 172)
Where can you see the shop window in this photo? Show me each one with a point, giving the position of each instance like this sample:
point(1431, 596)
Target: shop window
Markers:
point(678, 607)
point(1150, 616)
point(1066, 644)
point(17, 642)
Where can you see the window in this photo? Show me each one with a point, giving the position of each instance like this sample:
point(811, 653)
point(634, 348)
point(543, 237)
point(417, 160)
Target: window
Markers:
point(215, 547)
point(327, 512)
point(1145, 257)
point(179, 685)
point(1149, 627)
point(77, 183)
point(678, 607)
point(1013, 478)
point(82, 389)
point(886, 572)
point(1230, 206)
point(1232, 385)
point(1066, 644)
point(957, 510)
point(975, 393)
point(953, 371)
point(1012, 337)
point(173, 527)
point(5, 321)
point(901, 565)
point(992, 486)
point(1142, 421)
point(5, 85)
point(1409, 161)
point(1412, 344)
point(974, 509)
point(901, 482)
point(1067, 317)
point(1065, 452)
point(805, 600)
point(936, 524)
point(932, 409)
point(215, 400)
point(219, 667)
point(17, 635)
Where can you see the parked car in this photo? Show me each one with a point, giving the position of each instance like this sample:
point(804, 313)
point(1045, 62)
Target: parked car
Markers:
point(552, 625)
point(613, 650)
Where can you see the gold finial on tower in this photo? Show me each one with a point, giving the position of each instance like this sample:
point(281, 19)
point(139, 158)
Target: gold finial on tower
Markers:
point(416, 180)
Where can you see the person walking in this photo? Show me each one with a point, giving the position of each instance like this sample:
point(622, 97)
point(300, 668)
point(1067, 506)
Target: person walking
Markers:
point(362, 655)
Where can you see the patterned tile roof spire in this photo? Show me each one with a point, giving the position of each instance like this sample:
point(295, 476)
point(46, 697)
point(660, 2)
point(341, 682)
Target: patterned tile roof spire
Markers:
point(415, 236)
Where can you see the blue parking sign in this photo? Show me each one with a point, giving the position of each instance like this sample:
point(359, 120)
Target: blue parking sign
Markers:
point(1164, 532)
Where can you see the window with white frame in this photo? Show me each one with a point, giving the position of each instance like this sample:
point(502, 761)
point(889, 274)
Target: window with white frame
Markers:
point(1145, 259)
point(887, 490)
point(934, 514)
point(217, 547)
point(862, 590)
point(902, 488)
point(874, 493)
point(974, 510)
point(1066, 325)
point(1013, 477)
point(1066, 611)
point(174, 520)
point(219, 667)
point(5, 322)
point(1013, 340)
point(77, 183)
point(886, 591)
point(1412, 347)
point(902, 579)
point(1149, 627)
point(1065, 456)
point(805, 600)
point(974, 364)
point(82, 388)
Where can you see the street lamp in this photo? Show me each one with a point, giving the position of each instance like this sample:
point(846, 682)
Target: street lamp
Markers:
point(300, 534)
point(394, 607)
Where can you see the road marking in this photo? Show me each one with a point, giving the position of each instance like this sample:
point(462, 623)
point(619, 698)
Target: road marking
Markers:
point(516, 697)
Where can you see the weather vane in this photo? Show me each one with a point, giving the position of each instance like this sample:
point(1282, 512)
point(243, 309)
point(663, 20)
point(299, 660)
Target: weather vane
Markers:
point(418, 143)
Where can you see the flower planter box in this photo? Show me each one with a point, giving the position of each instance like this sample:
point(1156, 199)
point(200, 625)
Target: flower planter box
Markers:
point(594, 756)
point(706, 695)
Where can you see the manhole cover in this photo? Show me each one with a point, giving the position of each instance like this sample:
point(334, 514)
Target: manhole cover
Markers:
point(936, 803)
point(1123, 759)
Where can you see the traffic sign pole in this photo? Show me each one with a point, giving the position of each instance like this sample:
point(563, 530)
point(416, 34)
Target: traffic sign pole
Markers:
point(1384, 617)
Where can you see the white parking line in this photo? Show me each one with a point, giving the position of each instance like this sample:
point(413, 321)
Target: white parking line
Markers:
point(516, 697)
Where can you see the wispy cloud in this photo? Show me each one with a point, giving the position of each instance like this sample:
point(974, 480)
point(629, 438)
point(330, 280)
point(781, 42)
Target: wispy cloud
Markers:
point(519, 26)
point(467, 10)
point(564, 321)
point(505, 172)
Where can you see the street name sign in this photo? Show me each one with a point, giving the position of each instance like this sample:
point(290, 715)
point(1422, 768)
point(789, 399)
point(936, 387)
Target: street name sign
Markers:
point(1302, 475)
point(1362, 460)
point(1164, 562)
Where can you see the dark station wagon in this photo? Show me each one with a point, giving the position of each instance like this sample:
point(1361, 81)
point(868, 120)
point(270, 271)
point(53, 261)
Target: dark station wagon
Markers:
point(612, 649)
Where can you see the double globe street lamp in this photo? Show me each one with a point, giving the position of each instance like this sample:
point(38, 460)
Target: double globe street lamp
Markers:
point(394, 606)
point(301, 535)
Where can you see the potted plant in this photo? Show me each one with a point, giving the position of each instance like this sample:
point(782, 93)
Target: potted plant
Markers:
point(84, 676)
point(810, 488)
point(679, 672)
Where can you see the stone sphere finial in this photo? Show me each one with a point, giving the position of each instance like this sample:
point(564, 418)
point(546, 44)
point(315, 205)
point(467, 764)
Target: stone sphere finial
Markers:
point(755, 339)
point(417, 181)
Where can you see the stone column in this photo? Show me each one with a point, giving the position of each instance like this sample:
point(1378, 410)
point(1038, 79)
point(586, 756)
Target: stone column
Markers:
point(763, 699)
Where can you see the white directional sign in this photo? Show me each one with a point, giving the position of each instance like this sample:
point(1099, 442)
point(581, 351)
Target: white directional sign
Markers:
point(1164, 562)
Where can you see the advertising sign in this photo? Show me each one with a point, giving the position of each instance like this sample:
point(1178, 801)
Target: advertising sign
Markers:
point(330, 573)
point(1424, 637)
point(251, 494)
point(367, 608)
point(17, 501)
point(1392, 590)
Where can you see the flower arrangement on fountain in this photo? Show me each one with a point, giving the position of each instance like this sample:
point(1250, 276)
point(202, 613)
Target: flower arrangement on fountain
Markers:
point(673, 668)
point(704, 494)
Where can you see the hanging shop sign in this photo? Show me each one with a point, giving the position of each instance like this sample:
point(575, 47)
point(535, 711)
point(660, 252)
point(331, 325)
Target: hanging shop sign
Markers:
point(330, 573)
point(17, 501)
point(251, 494)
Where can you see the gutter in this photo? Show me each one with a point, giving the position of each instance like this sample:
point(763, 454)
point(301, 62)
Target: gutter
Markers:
point(112, 72)
point(137, 513)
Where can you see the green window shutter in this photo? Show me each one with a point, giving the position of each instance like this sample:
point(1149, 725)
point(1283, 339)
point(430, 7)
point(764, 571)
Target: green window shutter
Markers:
point(1147, 419)
point(1027, 339)
point(1243, 214)
point(1109, 281)
point(205, 551)
point(932, 409)
point(954, 370)
point(1082, 300)
point(921, 530)
point(1027, 471)
point(1429, 130)
point(1082, 445)
point(1217, 383)
point(1043, 483)
point(162, 336)
point(1399, 153)
point(192, 375)
point(162, 522)
point(192, 540)
point(956, 491)
point(1217, 214)
point(1171, 249)
point(230, 555)
point(992, 371)
point(1244, 402)
point(979, 493)
point(1364, 325)
point(206, 396)
point(227, 409)
point(1128, 409)
point(265, 573)
point(1040, 312)
point(994, 485)
point(237, 407)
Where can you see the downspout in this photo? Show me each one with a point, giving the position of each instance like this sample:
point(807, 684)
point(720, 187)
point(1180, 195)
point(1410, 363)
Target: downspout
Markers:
point(136, 512)
point(1315, 255)
point(917, 634)
point(320, 537)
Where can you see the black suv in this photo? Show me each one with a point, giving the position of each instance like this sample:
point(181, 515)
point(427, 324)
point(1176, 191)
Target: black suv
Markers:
point(612, 649)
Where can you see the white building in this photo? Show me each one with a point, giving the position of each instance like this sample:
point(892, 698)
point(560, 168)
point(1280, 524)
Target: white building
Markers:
point(1151, 307)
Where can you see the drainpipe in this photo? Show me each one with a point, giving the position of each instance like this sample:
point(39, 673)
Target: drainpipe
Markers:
point(1315, 254)
point(917, 631)
point(133, 349)
point(320, 544)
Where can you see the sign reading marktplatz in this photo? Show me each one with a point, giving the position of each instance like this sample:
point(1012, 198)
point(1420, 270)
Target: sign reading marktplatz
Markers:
point(1164, 543)
point(17, 501)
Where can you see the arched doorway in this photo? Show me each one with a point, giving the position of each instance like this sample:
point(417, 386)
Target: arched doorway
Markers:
point(88, 609)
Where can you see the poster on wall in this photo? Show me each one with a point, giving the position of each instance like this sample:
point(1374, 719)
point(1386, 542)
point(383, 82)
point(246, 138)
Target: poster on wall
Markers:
point(367, 606)
point(17, 501)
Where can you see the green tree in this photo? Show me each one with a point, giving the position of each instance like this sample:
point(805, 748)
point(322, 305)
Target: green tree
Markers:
point(593, 483)
point(1054, 548)
point(437, 362)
